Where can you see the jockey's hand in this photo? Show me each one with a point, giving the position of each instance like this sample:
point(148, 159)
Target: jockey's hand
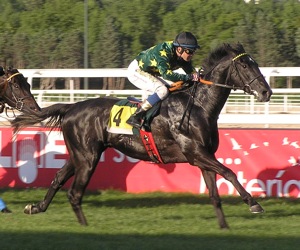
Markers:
point(201, 72)
point(194, 77)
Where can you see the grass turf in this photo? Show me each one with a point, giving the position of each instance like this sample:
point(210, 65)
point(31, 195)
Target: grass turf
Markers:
point(164, 221)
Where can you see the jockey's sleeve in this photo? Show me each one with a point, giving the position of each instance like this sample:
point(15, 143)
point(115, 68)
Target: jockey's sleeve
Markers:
point(169, 74)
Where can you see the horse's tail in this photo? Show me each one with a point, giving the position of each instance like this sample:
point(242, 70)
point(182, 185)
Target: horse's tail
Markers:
point(54, 115)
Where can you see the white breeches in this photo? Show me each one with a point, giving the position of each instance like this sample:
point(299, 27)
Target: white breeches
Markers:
point(147, 82)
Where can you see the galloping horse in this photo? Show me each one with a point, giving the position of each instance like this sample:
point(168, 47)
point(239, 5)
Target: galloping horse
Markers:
point(186, 130)
point(15, 91)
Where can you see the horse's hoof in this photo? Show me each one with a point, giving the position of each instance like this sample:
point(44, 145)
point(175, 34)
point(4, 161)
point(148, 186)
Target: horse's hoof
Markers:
point(30, 209)
point(256, 209)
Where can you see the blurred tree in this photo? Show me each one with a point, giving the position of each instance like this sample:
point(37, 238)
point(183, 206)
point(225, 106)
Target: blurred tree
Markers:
point(108, 48)
point(266, 46)
point(297, 41)
point(6, 45)
point(49, 33)
point(19, 53)
point(244, 31)
point(289, 24)
point(70, 56)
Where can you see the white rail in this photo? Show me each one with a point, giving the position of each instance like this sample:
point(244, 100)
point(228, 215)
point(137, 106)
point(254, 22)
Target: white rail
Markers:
point(122, 72)
point(283, 109)
point(283, 101)
point(48, 97)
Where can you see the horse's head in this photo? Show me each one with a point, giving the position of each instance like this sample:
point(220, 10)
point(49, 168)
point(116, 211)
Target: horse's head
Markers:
point(241, 71)
point(15, 91)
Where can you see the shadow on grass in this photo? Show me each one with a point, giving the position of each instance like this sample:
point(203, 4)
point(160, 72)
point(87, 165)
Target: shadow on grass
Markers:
point(122, 200)
point(233, 206)
point(119, 199)
point(74, 241)
point(72, 236)
point(161, 199)
point(153, 200)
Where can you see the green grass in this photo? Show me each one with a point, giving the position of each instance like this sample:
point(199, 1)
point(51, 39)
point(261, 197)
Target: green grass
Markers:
point(164, 221)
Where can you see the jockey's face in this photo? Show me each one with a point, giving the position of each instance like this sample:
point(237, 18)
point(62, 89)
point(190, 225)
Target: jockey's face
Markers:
point(185, 53)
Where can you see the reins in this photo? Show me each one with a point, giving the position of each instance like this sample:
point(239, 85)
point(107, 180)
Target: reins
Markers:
point(191, 97)
point(246, 88)
point(224, 85)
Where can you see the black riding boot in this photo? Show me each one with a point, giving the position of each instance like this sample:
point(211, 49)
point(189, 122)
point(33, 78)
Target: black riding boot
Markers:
point(135, 120)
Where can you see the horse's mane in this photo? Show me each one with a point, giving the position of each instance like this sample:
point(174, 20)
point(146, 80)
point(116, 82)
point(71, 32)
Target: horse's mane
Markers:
point(224, 50)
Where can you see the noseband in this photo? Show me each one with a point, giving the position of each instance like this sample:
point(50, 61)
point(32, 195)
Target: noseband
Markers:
point(19, 102)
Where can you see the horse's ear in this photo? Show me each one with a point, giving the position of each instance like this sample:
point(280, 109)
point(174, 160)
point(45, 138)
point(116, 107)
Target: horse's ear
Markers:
point(1, 71)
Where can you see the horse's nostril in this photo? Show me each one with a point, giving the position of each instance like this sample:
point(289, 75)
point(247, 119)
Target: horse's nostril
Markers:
point(267, 94)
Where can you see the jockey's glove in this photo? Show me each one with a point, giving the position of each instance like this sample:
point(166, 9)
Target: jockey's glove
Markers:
point(194, 77)
point(201, 72)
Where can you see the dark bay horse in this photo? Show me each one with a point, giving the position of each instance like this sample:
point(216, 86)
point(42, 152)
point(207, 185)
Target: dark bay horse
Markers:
point(194, 140)
point(15, 91)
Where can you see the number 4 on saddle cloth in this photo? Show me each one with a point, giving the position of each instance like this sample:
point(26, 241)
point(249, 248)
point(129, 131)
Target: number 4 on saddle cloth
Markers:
point(121, 112)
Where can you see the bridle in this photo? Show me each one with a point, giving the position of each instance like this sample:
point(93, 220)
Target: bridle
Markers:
point(233, 67)
point(246, 88)
point(19, 102)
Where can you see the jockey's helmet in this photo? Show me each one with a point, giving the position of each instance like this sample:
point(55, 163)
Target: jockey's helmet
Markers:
point(186, 40)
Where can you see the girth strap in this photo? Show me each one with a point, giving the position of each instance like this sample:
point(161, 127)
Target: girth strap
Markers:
point(150, 146)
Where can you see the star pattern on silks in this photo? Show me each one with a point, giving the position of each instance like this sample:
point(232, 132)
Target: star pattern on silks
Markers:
point(169, 72)
point(141, 64)
point(153, 62)
point(163, 53)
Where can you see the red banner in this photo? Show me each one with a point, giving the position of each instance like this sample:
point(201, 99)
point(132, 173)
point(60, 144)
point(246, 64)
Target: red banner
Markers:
point(266, 162)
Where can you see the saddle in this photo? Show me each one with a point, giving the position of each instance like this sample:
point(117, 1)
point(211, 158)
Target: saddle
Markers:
point(149, 115)
point(121, 112)
point(123, 109)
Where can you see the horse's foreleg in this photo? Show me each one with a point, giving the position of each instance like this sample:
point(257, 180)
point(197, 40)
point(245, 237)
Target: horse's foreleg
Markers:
point(60, 179)
point(209, 162)
point(229, 175)
point(210, 181)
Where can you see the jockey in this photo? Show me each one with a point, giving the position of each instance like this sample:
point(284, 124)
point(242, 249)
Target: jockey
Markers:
point(153, 70)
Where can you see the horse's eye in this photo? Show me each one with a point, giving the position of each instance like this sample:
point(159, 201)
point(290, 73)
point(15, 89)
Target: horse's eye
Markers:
point(244, 66)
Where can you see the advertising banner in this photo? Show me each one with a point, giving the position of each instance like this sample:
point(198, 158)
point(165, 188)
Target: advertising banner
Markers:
point(266, 162)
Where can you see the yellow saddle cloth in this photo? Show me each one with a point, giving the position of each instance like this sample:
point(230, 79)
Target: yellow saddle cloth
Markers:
point(119, 114)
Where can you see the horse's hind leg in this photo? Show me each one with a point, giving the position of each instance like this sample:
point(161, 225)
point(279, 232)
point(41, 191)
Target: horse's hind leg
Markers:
point(75, 195)
point(85, 166)
point(76, 192)
point(210, 180)
point(60, 179)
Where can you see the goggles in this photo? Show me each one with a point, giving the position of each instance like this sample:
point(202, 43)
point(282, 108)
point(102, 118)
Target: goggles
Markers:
point(189, 51)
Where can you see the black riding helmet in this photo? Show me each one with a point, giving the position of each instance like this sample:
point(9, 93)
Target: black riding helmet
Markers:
point(186, 40)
